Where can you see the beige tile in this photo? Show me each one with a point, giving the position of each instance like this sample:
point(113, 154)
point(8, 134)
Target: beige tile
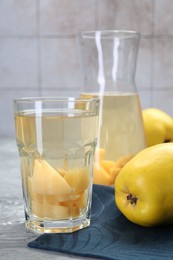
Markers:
point(163, 17)
point(132, 15)
point(162, 99)
point(18, 17)
point(18, 63)
point(163, 72)
point(66, 17)
point(144, 67)
point(7, 128)
point(60, 67)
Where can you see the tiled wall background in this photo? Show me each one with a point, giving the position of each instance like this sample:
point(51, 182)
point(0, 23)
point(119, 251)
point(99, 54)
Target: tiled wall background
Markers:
point(39, 52)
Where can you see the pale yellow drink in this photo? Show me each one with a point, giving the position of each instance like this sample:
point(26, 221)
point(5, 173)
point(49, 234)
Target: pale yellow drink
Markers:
point(56, 150)
point(121, 125)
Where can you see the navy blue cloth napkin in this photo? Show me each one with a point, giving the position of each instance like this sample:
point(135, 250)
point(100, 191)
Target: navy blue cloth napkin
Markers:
point(110, 235)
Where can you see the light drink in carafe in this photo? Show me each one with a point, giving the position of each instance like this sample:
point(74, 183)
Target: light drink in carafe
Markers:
point(121, 126)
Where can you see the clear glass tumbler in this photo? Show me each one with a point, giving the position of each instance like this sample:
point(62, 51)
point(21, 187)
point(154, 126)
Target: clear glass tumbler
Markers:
point(56, 139)
point(109, 63)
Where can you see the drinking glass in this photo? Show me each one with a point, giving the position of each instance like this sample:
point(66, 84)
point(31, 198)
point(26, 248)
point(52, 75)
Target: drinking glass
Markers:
point(56, 139)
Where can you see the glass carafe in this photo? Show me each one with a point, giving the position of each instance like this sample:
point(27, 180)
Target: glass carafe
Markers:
point(109, 64)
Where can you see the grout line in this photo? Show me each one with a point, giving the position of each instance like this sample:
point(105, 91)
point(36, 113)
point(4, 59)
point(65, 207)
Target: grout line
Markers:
point(26, 88)
point(34, 36)
point(96, 14)
point(154, 3)
point(157, 89)
point(72, 36)
point(22, 88)
point(153, 52)
point(38, 49)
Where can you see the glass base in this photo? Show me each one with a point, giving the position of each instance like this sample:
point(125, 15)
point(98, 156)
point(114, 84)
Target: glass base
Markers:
point(65, 226)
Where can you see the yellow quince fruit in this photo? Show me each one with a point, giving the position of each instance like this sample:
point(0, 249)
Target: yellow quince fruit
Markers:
point(144, 187)
point(158, 126)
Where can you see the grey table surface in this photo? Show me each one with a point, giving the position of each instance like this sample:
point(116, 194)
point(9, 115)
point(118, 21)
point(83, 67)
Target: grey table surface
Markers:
point(13, 235)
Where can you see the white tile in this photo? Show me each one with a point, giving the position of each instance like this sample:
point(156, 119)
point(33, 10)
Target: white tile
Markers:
point(66, 17)
point(163, 99)
point(7, 128)
point(64, 92)
point(163, 17)
point(163, 72)
point(132, 15)
point(60, 66)
point(144, 68)
point(145, 96)
point(18, 63)
point(18, 17)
